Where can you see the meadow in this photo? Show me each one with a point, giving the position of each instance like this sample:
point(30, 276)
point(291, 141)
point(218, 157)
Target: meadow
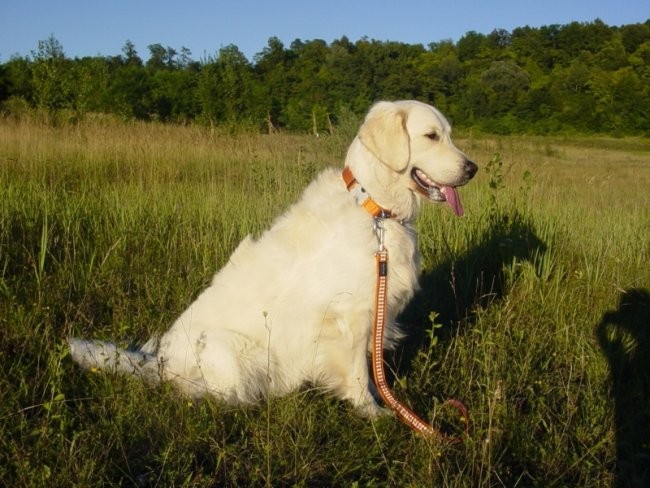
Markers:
point(534, 310)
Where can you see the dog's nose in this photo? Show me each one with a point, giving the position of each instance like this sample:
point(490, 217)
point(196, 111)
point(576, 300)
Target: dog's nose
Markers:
point(470, 168)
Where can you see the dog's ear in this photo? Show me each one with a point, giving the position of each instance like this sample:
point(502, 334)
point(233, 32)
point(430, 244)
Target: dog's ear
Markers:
point(384, 134)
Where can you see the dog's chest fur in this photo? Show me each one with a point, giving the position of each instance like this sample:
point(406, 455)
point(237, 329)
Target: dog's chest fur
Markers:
point(403, 264)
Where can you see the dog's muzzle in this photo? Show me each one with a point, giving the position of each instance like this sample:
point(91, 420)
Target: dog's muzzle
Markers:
point(443, 193)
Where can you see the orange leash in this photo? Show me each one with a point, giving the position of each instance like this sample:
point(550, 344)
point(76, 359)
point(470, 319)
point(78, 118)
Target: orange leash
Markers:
point(403, 412)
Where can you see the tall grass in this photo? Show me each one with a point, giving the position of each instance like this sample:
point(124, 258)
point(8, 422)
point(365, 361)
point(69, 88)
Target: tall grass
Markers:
point(109, 229)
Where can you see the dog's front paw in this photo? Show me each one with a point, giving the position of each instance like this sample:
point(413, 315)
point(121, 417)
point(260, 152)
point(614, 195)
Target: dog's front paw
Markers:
point(372, 411)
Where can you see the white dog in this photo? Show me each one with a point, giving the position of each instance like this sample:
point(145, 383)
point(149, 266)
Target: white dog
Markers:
point(296, 305)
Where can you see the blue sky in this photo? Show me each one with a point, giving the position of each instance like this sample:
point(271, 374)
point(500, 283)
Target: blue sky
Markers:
point(89, 27)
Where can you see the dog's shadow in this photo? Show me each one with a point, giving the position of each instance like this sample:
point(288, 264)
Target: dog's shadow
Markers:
point(624, 337)
point(460, 285)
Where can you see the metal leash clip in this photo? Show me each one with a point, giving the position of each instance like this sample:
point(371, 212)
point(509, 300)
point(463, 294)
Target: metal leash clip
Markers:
point(380, 230)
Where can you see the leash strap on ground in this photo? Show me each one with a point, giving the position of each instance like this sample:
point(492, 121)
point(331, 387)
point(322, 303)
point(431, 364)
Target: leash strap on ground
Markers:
point(402, 411)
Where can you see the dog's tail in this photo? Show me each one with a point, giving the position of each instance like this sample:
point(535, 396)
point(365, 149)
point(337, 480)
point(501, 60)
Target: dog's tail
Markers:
point(94, 355)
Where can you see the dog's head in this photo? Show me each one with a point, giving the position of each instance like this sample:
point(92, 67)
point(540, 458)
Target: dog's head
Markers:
point(413, 140)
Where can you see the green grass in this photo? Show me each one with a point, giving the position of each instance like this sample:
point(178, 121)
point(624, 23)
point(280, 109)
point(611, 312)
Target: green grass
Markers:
point(109, 230)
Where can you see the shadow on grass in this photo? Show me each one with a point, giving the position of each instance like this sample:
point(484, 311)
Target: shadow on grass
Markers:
point(459, 286)
point(624, 336)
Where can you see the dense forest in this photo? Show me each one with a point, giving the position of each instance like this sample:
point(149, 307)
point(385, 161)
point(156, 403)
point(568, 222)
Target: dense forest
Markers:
point(579, 77)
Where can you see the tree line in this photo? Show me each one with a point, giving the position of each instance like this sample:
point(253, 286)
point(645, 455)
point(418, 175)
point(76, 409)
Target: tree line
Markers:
point(578, 77)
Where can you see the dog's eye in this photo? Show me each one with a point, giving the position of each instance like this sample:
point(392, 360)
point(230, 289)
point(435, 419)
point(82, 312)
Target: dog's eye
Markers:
point(434, 136)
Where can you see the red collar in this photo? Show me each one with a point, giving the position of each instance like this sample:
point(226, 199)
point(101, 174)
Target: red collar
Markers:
point(362, 197)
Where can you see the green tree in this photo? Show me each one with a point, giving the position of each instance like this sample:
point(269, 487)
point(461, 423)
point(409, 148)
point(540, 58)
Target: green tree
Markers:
point(572, 98)
point(621, 101)
point(505, 83)
point(272, 68)
point(225, 87)
point(91, 80)
point(470, 45)
point(612, 56)
point(499, 39)
point(640, 60)
point(440, 73)
point(18, 79)
point(130, 55)
point(308, 98)
point(578, 76)
point(161, 57)
point(51, 76)
point(576, 37)
point(129, 92)
point(173, 94)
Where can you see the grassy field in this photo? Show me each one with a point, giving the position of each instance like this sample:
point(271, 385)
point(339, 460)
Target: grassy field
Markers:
point(541, 324)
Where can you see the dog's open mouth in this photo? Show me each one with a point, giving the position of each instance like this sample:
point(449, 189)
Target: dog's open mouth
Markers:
point(436, 192)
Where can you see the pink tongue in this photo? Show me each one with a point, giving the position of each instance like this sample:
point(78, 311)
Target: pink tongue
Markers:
point(451, 194)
